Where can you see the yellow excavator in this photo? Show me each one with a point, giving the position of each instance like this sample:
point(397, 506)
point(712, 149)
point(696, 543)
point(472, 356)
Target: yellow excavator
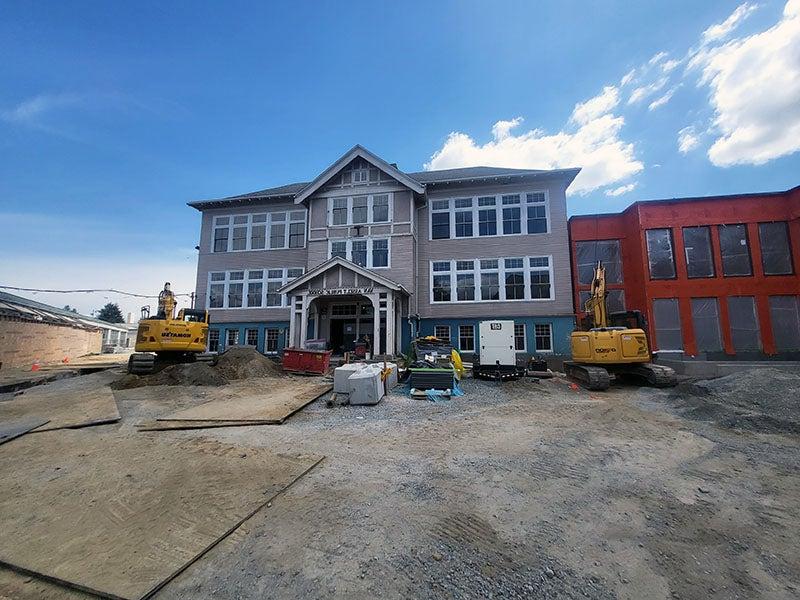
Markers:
point(166, 339)
point(612, 344)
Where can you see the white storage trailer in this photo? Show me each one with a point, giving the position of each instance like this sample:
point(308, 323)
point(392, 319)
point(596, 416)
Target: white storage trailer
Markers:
point(497, 356)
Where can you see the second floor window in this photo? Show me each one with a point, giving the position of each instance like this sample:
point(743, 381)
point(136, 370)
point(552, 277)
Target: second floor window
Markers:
point(372, 253)
point(776, 251)
point(697, 247)
point(483, 216)
point(735, 250)
point(261, 231)
point(659, 253)
point(359, 210)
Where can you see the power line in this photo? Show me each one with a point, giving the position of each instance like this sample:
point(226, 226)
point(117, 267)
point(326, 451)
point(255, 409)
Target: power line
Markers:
point(111, 291)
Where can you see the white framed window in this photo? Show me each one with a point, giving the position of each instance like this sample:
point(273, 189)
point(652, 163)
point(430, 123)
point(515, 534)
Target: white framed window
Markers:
point(360, 209)
point(251, 337)
point(271, 341)
point(231, 337)
point(466, 338)
point(492, 280)
point(543, 334)
point(213, 340)
point(520, 339)
point(442, 332)
point(249, 288)
point(259, 231)
point(491, 215)
point(372, 253)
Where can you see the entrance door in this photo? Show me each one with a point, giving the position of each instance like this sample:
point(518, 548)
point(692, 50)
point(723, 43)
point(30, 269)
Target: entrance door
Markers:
point(342, 335)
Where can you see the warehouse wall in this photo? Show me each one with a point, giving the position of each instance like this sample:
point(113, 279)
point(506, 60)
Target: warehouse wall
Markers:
point(23, 342)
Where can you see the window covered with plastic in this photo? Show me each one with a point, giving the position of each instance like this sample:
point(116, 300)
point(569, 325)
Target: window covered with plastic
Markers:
point(697, 246)
point(776, 254)
point(744, 323)
point(735, 250)
point(659, 253)
point(615, 300)
point(785, 314)
point(667, 321)
point(588, 253)
point(705, 318)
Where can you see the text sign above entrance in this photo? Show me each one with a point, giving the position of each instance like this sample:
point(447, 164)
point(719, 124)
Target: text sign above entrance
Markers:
point(354, 291)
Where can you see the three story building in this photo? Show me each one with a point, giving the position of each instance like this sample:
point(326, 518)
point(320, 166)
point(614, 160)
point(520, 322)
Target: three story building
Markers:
point(368, 250)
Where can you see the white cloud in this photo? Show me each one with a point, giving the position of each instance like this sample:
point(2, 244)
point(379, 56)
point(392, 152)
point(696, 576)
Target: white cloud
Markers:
point(755, 92)
point(657, 58)
point(670, 65)
point(628, 77)
point(32, 109)
point(720, 31)
point(590, 140)
point(623, 189)
point(584, 112)
point(662, 100)
point(645, 91)
point(687, 140)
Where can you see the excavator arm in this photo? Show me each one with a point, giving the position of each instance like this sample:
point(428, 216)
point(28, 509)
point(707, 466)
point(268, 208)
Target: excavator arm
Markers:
point(596, 304)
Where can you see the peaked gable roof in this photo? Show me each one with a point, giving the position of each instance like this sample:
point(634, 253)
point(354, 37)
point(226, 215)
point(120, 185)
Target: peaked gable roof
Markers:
point(358, 151)
point(339, 261)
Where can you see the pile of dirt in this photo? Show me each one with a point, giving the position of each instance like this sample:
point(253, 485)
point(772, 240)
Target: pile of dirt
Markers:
point(236, 363)
point(241, 363)
point(763, 400)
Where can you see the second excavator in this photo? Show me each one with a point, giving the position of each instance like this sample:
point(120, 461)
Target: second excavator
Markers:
point(610, 345)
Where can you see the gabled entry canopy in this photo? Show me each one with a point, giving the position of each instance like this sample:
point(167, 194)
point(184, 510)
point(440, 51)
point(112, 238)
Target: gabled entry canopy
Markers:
point(338, 261)
point(358, 151)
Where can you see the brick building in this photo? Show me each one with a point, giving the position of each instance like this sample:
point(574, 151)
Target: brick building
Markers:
point(716, 277)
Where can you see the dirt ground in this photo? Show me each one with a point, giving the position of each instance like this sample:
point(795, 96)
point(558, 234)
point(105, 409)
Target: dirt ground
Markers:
point(516, 490)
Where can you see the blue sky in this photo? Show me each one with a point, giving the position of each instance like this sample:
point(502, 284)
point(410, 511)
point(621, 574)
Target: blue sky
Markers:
point(113, 116)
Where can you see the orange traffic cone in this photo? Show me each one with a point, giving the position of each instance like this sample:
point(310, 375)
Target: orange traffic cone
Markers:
point(35, 365)
point(65, 360)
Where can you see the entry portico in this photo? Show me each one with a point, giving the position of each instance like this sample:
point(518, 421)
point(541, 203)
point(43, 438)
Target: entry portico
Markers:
point(340, 301)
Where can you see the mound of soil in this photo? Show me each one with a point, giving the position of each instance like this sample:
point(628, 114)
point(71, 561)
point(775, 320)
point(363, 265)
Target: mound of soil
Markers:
point(766, 400)
point(241, 363)
point(236, 363)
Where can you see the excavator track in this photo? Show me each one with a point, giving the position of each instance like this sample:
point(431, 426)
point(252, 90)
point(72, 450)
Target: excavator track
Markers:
point(656, 375)
point(593, 378)
point(141, 363)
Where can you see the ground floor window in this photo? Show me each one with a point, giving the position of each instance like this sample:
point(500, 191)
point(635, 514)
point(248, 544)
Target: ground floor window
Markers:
point(466, 338)
point(442, 332)
point(705, 319)
point(544, 337)
point(232, 338)
point(667, 321)
point(785, 314)
point(519, 337)
point(251, 337)
point(213, 340)
point(271, 343)
point(744, 323)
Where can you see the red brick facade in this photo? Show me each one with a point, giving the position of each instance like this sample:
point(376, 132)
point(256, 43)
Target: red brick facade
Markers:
point(641, 289)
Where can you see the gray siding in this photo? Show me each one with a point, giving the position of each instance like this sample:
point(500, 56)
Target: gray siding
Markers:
point(231, 261)
point(555, 244)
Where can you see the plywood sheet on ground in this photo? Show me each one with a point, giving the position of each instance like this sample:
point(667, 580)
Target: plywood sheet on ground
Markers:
point(74, 402)
point(176, 425)
point(13, 429)
point(121, 515)
point(272, 406)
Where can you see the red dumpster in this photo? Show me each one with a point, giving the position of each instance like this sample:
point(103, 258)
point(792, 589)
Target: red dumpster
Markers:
point(306, 361)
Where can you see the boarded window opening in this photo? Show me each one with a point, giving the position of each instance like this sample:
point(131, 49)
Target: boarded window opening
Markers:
point(607, 251)
point(659, 253)
point(697, 247)
point(735, 250)
point(785, 314)
point(744, 323)
point(776, 254)
point(667, 322)
point(705, 318)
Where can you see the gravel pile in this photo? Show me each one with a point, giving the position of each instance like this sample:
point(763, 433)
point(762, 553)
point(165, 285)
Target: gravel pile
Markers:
point(766, 400)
